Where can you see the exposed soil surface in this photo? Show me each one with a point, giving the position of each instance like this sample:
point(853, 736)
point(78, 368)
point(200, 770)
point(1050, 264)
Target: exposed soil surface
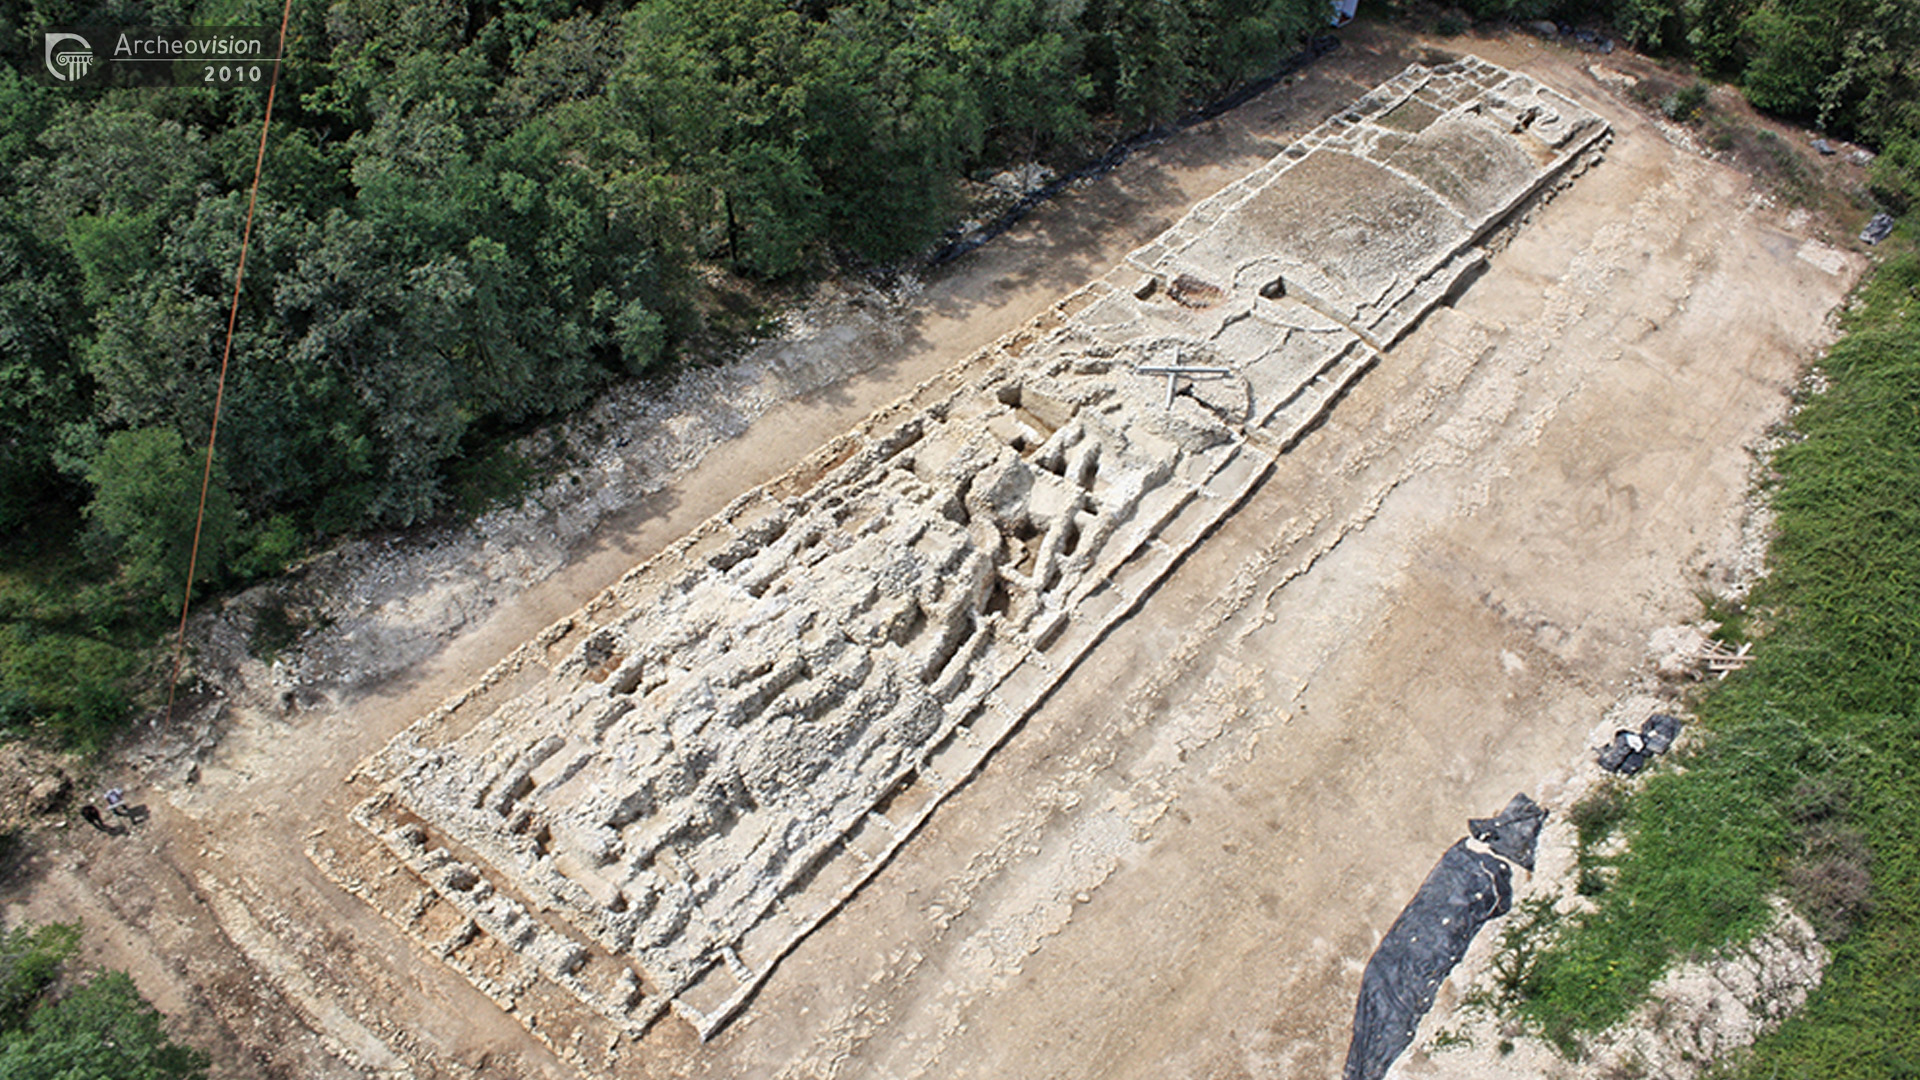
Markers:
point(1180, 864)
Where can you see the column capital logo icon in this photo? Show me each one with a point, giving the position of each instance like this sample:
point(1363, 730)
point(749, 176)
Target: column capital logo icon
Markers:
point(68, 62)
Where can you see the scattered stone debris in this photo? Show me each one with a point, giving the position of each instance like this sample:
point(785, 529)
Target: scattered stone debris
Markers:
point(33, 783)
point(1675, 650)
point(1878, 229)
point(1829, 260)
point(1589, 40)
point(1022, 180)
point(49, 792)
point(650, 804)
point(1861, 156)
point(1618, 79)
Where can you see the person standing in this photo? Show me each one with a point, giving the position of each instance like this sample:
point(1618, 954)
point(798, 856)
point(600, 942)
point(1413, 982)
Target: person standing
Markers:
point(93, 818)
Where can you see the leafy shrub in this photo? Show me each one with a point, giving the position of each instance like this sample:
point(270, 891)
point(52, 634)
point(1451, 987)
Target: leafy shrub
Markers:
point(30, 959)
point(145, 504)
point(267, 548)
point(102, 1030)
point(1896, 173)
point(1684, 105)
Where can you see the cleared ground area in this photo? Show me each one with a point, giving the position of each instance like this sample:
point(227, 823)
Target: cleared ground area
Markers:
point(1163, 710)
point(713, 755)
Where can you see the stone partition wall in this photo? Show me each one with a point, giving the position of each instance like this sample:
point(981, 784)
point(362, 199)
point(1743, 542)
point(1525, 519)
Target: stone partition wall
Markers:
point(650, 805)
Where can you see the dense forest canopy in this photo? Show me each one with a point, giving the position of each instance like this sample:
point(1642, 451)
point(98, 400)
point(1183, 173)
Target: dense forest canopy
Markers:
point(475, 214)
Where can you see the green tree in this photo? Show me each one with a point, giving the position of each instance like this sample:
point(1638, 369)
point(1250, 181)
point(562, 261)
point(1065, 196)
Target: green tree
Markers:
point(373, 334)
point(569, 60)
point(25, 107)
point(1248, 37)
point(102, 1030)
point(1146, 52)
point(1800, 48)
point(1032, 76)
point(1714, 34)
point(896, 113)
point(117, 156)
point(30, 959)
point(719, 94)
point(146, 487)
point(39, 379)
point(1650, 24)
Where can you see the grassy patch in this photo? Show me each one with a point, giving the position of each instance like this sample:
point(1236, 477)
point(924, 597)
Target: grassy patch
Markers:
point(1776, 159)
point(1808, 782)
point(70, 643)
point(1729, 613)
point(1531, 927)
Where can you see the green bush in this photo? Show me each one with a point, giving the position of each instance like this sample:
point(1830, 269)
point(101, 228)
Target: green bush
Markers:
point(99, 1029)
point(30, 959)
point(102, 1030)
point(1896, 172)
point(1684, 105)
point(145, 504)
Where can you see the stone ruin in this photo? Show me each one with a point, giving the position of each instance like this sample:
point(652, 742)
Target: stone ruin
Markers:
point(651, 804)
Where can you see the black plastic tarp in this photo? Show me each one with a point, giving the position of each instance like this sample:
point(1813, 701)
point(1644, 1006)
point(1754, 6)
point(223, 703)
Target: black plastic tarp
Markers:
point(1464, 891)
point(1630, 751)
point(1515, 833)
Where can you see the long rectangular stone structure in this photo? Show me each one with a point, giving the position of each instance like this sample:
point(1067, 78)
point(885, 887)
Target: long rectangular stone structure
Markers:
point(649, 806)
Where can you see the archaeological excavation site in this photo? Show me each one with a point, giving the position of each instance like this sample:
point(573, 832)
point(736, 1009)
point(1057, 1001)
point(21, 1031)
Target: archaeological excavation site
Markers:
point(1065, 661)
point(637, 815)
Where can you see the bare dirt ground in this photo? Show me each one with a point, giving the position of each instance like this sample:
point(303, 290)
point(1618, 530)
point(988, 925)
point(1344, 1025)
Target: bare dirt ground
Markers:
point(1180, 864)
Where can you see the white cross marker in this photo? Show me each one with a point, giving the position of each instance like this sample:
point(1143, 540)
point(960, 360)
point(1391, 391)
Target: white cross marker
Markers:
point(1174, 372)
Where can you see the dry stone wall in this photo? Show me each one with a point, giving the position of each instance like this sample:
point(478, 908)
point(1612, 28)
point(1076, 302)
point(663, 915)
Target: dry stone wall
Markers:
point(649, 806)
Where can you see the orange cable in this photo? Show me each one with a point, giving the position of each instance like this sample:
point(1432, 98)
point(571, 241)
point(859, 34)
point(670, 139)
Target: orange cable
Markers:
point(226, 353)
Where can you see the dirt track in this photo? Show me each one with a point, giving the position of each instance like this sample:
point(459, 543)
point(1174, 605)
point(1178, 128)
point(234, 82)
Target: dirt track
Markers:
point(1179, 865)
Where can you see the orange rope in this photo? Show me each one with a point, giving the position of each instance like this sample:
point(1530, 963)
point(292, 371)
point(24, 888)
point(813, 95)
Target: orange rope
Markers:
point(226, 353)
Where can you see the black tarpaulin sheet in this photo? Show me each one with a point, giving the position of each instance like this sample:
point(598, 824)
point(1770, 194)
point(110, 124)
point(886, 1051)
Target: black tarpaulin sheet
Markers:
point(1464, 891)
point(1660, 730)
point(1631, 751)
point(1515, 833)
